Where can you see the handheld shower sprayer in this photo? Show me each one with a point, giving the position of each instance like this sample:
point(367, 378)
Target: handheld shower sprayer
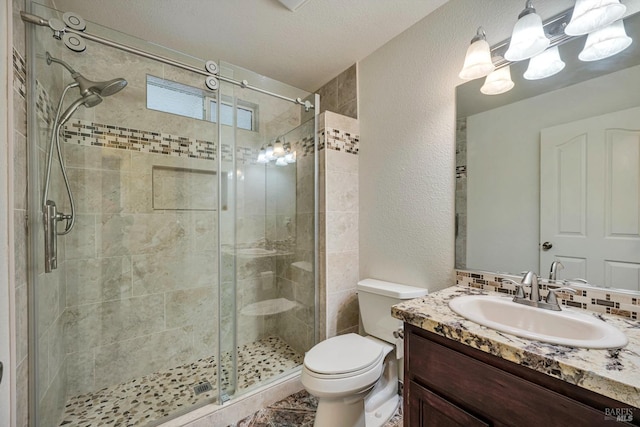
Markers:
point(88, 101)
point(91, 94)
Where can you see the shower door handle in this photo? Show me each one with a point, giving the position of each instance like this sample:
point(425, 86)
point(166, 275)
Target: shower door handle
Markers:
point(50, 237)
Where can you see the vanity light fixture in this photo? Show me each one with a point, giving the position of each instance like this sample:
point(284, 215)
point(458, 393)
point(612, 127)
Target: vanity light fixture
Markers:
point(544, 65)
point(545, 37)
point(528, 38)
point(498, 82)
point(605, 42)
point(591, 15)
point(477, 62)
point(278, 151)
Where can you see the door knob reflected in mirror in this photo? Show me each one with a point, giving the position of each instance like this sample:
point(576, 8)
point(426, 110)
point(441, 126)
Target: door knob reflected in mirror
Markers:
point(546, 246)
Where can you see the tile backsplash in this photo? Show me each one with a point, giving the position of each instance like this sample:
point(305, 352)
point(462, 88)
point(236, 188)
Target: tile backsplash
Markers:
point(600, 300)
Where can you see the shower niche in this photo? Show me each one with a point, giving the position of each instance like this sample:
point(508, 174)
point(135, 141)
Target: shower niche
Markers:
point(189, 262)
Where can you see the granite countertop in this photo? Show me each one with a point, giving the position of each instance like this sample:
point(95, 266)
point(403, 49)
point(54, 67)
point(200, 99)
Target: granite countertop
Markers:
point(613, 373)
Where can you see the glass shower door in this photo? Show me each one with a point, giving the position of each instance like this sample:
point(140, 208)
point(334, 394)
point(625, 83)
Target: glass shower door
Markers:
point(188, 276)
point(125, 328)
point(267, 237)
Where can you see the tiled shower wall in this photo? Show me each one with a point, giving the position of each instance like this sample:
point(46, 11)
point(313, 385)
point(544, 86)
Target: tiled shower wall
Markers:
point(340, 94)
point(338, 211)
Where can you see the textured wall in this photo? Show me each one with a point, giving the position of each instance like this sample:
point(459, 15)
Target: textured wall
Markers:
point(407, 124)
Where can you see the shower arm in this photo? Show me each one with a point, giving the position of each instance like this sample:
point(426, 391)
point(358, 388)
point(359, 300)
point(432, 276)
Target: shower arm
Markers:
point(59, 28)
point(51, 59)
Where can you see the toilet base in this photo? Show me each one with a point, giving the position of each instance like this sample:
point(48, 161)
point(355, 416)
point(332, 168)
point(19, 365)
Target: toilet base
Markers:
point(340, 413)
point(383, 413)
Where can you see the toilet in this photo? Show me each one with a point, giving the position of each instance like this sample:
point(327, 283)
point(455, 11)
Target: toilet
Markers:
point(354, 377)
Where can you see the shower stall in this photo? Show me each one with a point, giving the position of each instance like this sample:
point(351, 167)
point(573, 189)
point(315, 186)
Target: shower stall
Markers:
point(173, 227)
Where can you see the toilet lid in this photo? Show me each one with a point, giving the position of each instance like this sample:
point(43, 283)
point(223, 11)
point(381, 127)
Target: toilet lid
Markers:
point(343, 354)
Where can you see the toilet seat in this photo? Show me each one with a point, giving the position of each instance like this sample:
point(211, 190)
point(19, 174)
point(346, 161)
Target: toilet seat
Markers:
point(343, 356)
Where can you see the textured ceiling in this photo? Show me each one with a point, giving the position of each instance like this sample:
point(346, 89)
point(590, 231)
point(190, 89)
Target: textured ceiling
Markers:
point(305, 48)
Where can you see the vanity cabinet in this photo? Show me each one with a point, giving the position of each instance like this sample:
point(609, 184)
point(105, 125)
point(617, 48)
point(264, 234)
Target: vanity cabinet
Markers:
point(450, 384)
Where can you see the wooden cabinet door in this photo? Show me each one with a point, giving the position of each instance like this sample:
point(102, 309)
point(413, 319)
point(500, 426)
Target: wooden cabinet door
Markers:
point(427, 409)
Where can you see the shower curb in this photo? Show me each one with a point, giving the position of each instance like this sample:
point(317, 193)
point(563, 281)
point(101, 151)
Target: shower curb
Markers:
point(242, 407)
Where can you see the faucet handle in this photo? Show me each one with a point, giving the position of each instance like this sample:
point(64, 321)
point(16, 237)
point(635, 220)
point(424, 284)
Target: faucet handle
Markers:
point(552, 297)
point(519, 288)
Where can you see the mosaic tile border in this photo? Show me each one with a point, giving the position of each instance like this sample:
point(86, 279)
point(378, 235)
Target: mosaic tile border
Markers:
point(92, 134)
point(588, 298)
point(19, 73)
point(335, 139)
point(44, 106)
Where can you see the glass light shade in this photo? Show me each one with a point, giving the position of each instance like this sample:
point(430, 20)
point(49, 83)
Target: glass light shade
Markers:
point(544, 65)
point(269, 152)
point(478, 62)
point(278, 149)
point(281, 162)
point(262, 157)
point(498, 82)
point(605, 42)
point(527, 39)
point(290, 157)
point(590, 15)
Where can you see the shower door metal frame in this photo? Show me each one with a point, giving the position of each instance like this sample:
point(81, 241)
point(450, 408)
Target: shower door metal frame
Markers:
point(37, 20)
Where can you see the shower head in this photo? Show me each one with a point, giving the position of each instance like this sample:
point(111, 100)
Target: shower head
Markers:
point(87, 86)
point(90, 100)
point(107, 88)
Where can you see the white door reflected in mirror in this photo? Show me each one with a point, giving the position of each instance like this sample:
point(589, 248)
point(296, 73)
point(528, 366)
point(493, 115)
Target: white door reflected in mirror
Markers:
point(590, 199)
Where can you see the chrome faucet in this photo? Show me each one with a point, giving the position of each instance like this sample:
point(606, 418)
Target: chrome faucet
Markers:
point(555, 266)
point(530, 279)
point(550, 302)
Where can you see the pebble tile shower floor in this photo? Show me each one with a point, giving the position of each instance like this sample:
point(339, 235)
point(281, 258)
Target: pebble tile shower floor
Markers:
point(158, 395)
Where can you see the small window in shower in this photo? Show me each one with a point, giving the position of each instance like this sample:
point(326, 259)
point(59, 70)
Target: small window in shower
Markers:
point(246, 114)
point(184, 100)
point(175, 98)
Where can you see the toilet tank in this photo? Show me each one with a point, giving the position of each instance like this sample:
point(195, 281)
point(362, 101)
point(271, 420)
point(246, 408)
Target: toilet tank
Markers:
point(375, 298)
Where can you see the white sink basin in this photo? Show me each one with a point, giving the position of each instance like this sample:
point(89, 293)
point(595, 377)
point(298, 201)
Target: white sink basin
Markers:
point(569, 328)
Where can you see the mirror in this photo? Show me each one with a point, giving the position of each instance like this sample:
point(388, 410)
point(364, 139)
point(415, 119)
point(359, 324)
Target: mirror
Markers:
point(506, 208)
